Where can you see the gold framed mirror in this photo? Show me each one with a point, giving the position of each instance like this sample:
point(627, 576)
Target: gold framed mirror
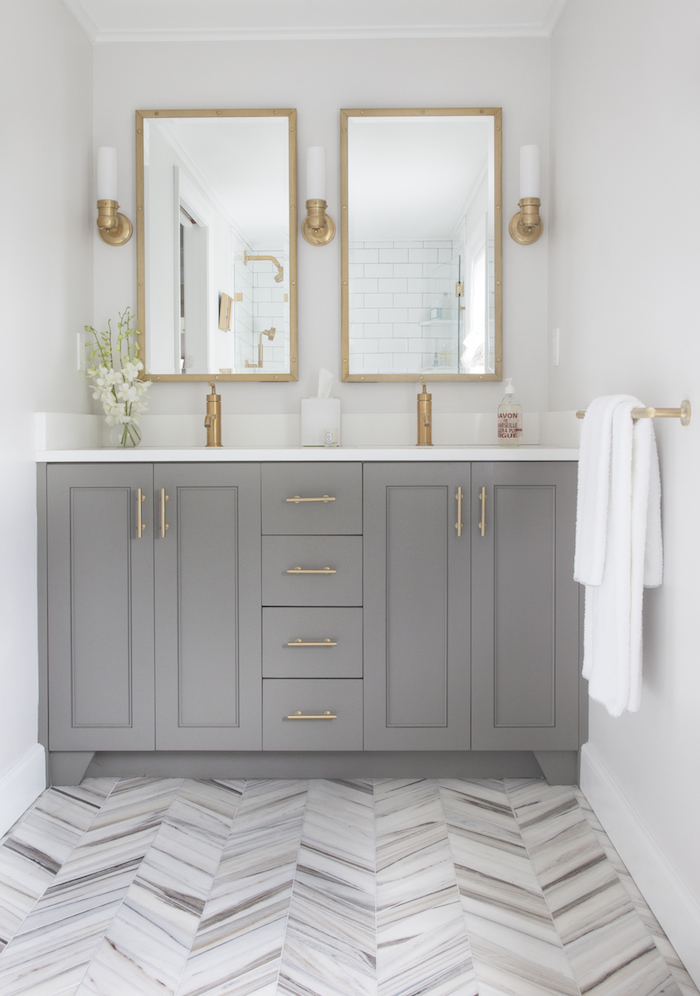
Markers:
point(421, 244)
point(217, 244)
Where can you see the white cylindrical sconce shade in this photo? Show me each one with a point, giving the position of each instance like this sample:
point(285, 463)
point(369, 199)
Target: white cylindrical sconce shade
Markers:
point(529, 171)
point(316, 173)
point(107, 188)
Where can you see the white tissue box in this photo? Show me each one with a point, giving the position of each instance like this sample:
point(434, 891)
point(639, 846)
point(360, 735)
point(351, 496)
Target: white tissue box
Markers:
point(318, 416)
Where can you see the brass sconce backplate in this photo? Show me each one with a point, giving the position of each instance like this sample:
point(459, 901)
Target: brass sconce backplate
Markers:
point(526, 226)
point(318, 227)
point(115, 228)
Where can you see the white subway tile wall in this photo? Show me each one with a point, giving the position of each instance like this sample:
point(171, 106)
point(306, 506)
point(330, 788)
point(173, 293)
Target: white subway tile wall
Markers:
point(403, 307)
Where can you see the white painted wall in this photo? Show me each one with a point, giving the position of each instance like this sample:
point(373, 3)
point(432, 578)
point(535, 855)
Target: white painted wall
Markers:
point(511, 73)
point(624, 277)
point(46, 182)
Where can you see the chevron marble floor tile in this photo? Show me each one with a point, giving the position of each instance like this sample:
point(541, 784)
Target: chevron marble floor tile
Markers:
point(387, 887)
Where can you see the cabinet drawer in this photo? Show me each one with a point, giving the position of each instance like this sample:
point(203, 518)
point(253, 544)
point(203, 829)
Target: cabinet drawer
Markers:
point(283, 584)
point(338, 631)
point(339, 486)
point(284, 697)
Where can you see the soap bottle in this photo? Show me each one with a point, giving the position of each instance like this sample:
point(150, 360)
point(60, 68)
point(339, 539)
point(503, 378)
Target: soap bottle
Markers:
point(510, 418)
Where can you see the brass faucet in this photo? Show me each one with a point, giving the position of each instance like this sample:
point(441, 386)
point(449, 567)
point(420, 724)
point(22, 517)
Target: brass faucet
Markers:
point(212, 420)
point(425, 417)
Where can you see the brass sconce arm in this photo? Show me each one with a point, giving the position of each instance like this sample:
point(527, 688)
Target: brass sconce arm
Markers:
point(115, 228)
point(318, 227)
point(526, 226)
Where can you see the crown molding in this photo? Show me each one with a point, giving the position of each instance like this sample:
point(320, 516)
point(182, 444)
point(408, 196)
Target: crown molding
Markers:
point(264, 33)
point(83, 18)
point(556, 9)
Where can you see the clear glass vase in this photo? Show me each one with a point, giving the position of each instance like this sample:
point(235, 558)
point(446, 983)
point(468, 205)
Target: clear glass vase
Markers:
point(127, 436)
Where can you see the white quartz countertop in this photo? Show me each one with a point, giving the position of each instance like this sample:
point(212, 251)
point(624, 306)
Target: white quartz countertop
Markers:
point(256, 454)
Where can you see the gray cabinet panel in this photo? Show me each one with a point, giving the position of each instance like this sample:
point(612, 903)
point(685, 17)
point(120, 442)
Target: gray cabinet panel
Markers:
point(336, 632)
point(282, 698)
point(342, 554)
point(207, 570)
point(281, 481)
point(416, 607)
point(525, 609)
point(100, 597)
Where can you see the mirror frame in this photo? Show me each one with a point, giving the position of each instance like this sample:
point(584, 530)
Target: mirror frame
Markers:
point(289, 113)
point(496, 114)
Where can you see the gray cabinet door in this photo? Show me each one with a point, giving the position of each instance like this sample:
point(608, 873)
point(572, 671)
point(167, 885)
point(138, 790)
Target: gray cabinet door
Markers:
point(100, 598)
point(524, 608)
point(208, 609)
point(417, 607)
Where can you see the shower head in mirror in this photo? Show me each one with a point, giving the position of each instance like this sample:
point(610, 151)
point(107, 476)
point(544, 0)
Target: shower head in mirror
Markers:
point(279, 276)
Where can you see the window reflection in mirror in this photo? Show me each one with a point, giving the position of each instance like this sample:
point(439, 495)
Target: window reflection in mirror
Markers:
point(421, 244)
point(217, 244)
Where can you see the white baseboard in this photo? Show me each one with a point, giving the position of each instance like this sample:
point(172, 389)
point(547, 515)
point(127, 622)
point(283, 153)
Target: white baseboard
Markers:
point(21, 785)
point(672, 903)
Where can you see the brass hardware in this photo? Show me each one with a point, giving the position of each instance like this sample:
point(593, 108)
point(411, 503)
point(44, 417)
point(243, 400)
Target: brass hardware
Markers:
point(347, 113)
point(115, 228)
point(318, 227)
point(141, 140)
point(212, 420)
point(163, 524)
point(270, 333)
point(425, 417)
point(279, 276)
point(482, 524)
point(683, 413)
point(459, 289)
point(238, 296)
point(526, 226)
point(458, 523)
point(313, 643)
point(140, 525)
point(299, 715)
point(296, 499)
point(298, 570)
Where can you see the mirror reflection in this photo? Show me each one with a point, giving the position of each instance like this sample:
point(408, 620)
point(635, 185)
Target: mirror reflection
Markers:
point(217, 244)
point(421, 244)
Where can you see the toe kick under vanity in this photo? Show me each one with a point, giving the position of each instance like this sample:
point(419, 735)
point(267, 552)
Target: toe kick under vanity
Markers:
point(280, 607)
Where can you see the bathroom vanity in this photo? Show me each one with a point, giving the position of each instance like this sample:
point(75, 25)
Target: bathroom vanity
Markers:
point(333, 601)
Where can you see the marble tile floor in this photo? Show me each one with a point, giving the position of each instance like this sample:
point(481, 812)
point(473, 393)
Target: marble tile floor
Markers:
point(386, 887)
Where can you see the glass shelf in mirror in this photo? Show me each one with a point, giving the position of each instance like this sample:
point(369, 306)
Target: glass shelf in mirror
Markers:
point(217, 244)
point(421, 244)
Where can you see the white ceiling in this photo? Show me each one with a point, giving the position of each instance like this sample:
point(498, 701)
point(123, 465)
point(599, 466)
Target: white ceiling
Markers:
point(179, 20)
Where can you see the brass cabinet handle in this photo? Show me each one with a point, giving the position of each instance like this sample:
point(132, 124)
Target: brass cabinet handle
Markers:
point(140, 524)
point(299, 715)
point(458, 523)
point(482, 524)
point(163, 524)
point(313, 643)
point(299, 570)
point(296, 499)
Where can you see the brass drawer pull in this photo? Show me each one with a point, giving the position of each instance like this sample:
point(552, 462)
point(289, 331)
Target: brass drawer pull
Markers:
point(140, 524)
point(299, 570)
point(296, 499)
point(458, 523)
point(163, 524)
point(482, 524)
point(312, 643)
point(299, 715)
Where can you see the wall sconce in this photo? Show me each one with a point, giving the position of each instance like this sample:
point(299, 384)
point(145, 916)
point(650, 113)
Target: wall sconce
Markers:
point(526, 226)
point(115, 228)
point(318, 227)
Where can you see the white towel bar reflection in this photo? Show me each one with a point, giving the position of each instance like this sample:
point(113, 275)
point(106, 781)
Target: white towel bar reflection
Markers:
point(683, 413)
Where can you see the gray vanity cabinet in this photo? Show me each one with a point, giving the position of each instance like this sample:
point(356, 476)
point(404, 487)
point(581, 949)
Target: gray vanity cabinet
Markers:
point(525, 603)
point(416, 606)
point(153, 639)
point(207, 606)
point(100, 608)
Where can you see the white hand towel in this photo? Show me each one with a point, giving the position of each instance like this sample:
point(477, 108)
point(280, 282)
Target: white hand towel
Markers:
point(618, 545)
